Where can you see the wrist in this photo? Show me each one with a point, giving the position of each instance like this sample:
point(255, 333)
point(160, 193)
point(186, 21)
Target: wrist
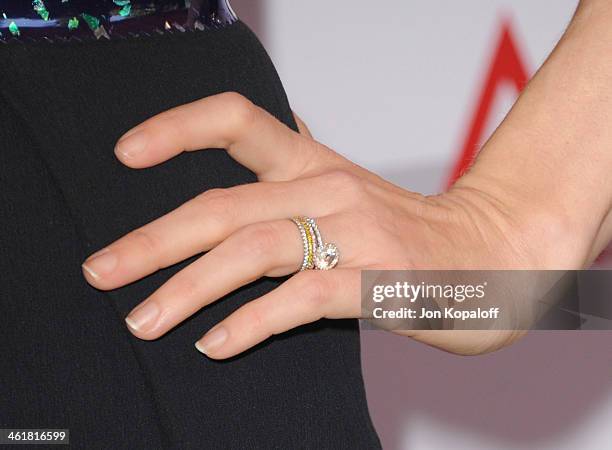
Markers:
point(542, 233)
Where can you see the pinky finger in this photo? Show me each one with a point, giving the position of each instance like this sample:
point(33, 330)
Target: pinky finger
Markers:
point(304, 298)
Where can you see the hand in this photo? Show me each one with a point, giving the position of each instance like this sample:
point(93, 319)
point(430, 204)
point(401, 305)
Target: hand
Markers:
point(247, 235)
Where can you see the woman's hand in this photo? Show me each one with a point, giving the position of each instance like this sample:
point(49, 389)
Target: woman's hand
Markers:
point(247, 234)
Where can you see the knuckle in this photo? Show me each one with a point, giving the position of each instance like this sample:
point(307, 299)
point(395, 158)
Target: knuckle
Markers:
point(258, 323)
point(242, 113)
point(232, 97)
point(218, 209)
point(147, 241)
point(260, 240)
point(314, 288)
point(341, 180)
point(217, 201)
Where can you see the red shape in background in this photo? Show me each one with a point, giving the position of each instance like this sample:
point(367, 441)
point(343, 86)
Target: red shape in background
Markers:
point(507, 66)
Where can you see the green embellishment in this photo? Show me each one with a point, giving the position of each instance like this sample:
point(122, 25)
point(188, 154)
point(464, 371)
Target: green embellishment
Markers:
point(73, 24)
point(40, 8)
point(4, 15)
point(125, 11)
point(44, 14)
point(121, 2)
point(93, 22)
point(14, 29)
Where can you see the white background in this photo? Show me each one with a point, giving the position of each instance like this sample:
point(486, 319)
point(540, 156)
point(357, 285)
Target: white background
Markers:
point(392, 84)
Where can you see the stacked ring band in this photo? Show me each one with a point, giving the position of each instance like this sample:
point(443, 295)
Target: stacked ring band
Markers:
point(306, 248)
point(317, 254)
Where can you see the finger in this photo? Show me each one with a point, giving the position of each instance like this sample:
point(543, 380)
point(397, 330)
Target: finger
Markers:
point(272, 248)
point(264, 249)
point(305, 298)
point(203, 222)
point(252, 136)
point(302, 127)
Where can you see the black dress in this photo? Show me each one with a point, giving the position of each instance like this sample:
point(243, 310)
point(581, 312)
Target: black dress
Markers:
point(66, 357)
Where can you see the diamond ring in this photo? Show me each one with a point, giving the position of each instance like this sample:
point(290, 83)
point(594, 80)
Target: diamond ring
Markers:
point(317, 254)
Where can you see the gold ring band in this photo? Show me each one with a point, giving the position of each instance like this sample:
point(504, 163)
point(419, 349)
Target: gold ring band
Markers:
point(317, 254)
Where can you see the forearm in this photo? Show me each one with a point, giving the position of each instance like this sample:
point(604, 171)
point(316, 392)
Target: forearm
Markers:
point(548, 165)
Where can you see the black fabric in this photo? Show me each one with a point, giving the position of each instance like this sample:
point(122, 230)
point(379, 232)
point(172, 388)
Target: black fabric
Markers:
point(66, 357)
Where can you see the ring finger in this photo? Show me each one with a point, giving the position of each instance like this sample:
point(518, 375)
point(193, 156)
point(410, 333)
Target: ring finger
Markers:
point(262, 249)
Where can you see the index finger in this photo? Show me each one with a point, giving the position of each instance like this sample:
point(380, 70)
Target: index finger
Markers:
point(251, 135)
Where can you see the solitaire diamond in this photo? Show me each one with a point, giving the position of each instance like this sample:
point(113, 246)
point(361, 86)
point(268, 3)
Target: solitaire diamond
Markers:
point(326, 257)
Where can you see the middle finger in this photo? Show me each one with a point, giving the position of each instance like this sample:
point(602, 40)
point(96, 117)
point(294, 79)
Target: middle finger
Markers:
point(200, 224)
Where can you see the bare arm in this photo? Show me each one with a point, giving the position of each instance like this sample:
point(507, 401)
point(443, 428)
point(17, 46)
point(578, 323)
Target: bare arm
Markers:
point(548, 167)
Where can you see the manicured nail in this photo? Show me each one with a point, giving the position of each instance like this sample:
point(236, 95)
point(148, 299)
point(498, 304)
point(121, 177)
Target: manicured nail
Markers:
point(101, 263)
point(213, 340)
point(132, 144)
point(143, 317)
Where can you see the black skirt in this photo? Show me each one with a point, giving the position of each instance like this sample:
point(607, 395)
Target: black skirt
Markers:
point(66, 357)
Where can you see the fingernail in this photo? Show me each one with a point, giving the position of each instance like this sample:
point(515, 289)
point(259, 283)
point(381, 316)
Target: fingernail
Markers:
point(143, 317)
point(132, 144)
point(213, 340)
point(101, 263)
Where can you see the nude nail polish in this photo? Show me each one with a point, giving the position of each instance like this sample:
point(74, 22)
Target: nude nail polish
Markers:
point(144, 317)
point(213, 340)
point(101, 263)
point(132, 144)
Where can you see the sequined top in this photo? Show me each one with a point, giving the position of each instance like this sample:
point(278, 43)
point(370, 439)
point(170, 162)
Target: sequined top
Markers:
point(65, 19)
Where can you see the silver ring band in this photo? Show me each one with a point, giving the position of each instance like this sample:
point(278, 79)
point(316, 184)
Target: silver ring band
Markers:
point(317, 254)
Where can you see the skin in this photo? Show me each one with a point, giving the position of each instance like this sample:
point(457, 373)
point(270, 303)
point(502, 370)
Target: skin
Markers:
point(538, 196)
